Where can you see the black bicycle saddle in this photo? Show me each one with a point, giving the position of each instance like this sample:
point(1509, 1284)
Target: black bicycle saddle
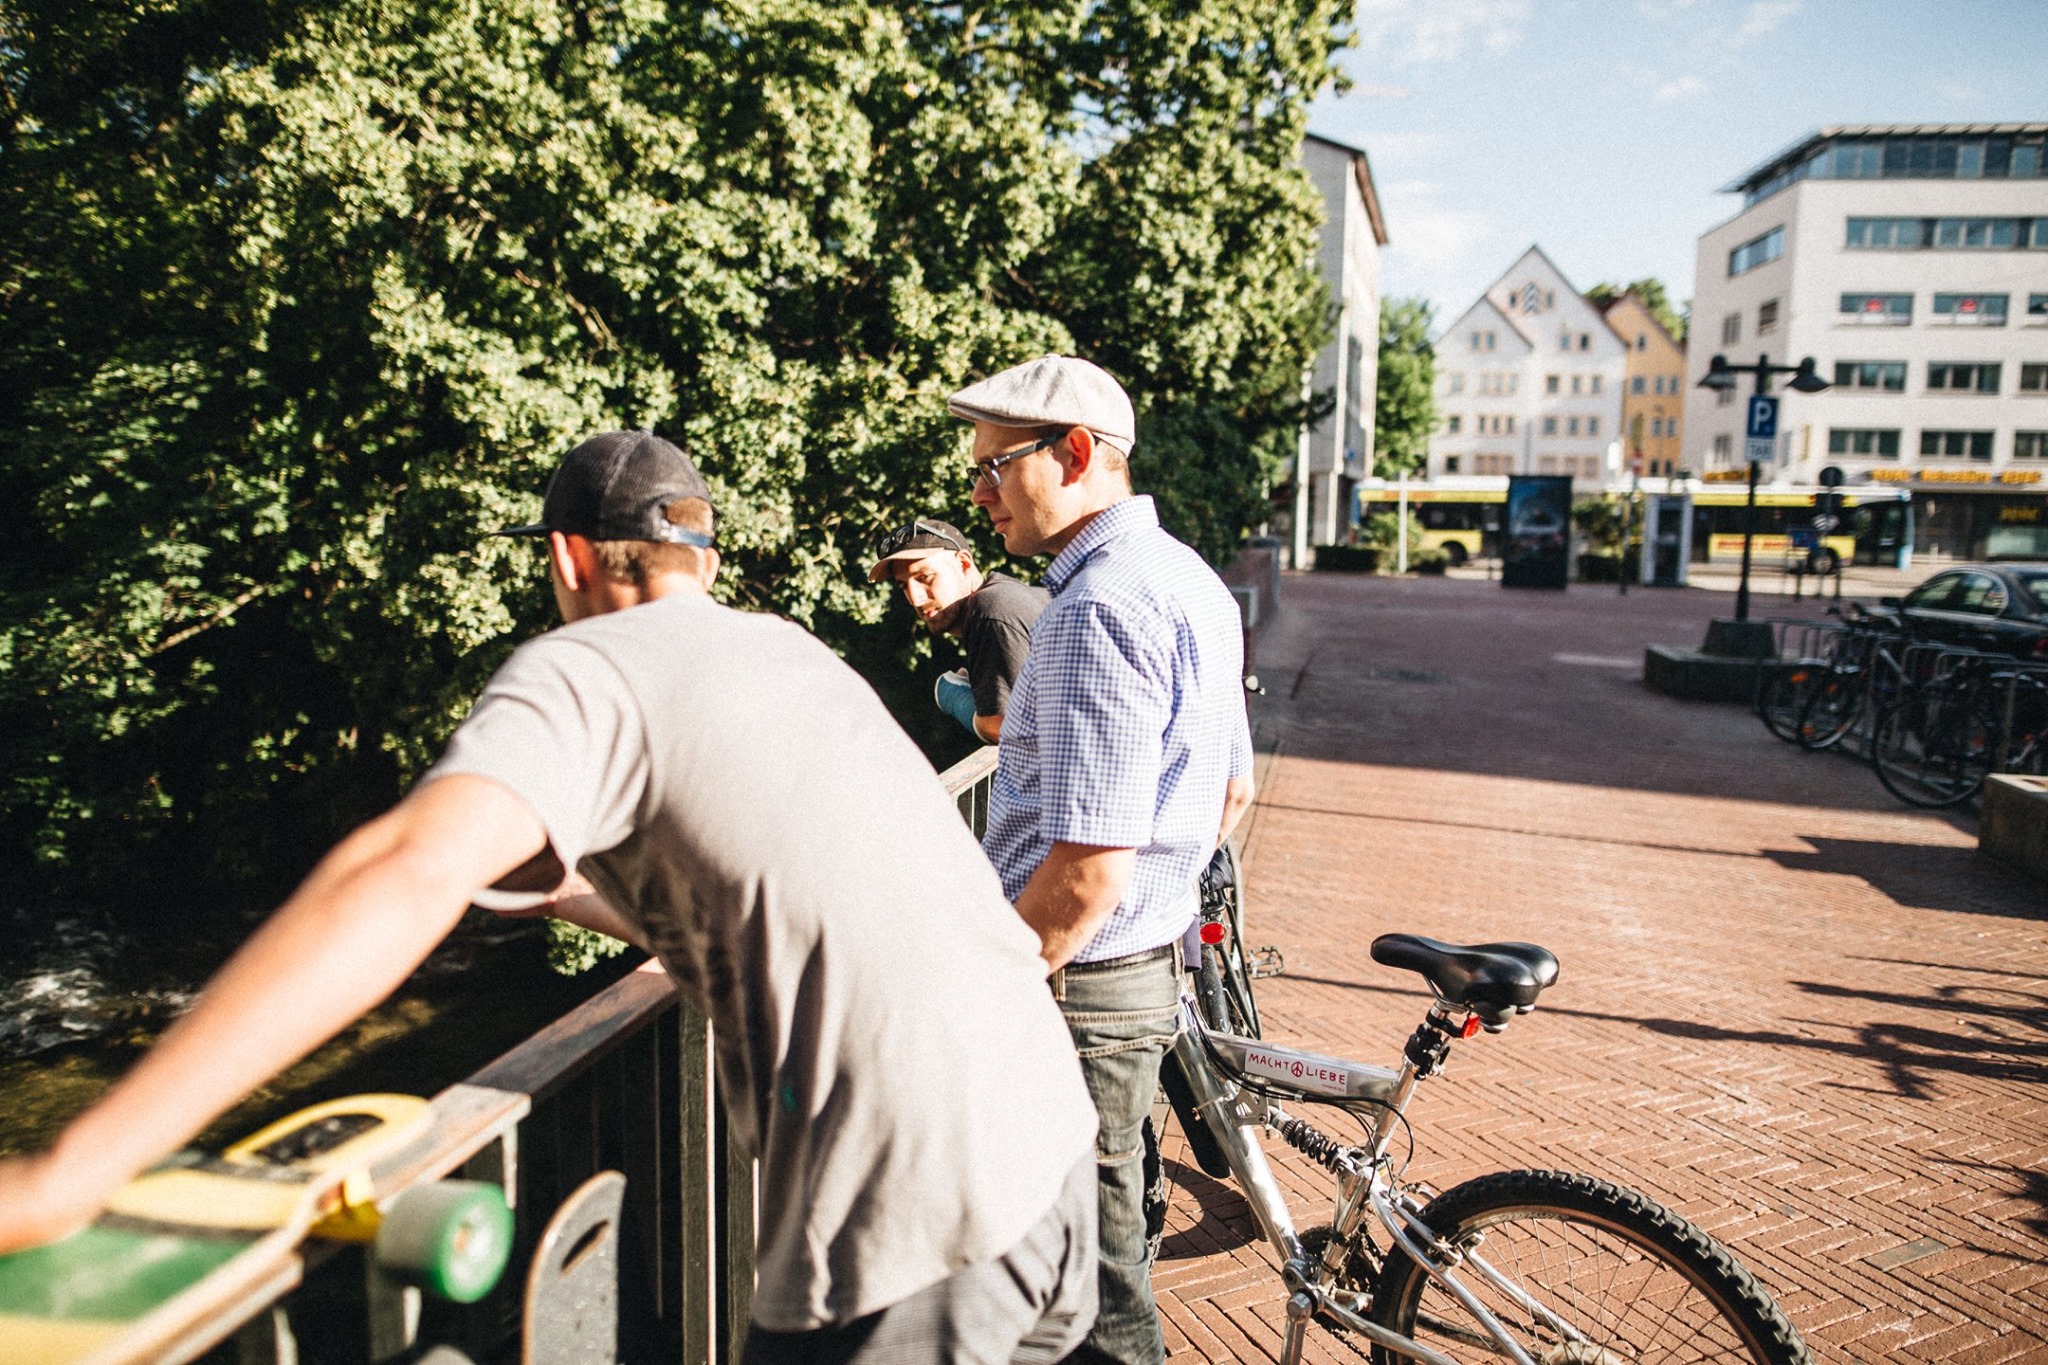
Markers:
point(1493, 980)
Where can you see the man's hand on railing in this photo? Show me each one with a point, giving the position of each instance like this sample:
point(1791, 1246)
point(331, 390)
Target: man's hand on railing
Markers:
point(38, 1205)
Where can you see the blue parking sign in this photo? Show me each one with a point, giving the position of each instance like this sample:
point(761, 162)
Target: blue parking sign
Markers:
point(1763, 417)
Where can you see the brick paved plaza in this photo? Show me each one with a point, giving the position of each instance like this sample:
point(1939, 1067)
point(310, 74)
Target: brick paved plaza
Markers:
point(1811, 1019)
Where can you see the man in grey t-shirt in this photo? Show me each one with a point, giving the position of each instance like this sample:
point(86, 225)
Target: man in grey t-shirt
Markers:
point(885, 1038)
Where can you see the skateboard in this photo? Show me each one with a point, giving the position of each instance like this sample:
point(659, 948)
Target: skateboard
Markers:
point(161, 1273)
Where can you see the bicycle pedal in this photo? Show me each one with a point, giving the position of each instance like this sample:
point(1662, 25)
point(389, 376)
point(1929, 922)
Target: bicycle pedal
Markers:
point(1265, 962)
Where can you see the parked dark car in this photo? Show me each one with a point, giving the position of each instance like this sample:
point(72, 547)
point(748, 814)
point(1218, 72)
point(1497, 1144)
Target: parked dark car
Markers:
point(2001, 607)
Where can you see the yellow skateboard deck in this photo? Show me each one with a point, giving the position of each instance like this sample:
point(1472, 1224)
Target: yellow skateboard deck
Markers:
point(185, 1243)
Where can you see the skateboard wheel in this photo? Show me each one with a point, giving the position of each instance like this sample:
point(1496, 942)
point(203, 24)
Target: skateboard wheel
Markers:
point(452, 1239)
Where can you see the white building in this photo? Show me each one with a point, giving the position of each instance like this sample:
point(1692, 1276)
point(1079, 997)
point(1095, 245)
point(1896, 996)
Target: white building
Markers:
point(1911, 262)
point(1528, 381)
point(1337, 452)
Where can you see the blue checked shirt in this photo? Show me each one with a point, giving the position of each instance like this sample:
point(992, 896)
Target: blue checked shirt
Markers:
point(1125, 723)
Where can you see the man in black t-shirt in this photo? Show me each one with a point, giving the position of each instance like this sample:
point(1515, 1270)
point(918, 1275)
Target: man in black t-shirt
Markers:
point(990, 612)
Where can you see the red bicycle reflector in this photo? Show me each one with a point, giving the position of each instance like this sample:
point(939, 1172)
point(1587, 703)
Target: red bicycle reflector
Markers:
point(1471, 1026)
point(1212, 934)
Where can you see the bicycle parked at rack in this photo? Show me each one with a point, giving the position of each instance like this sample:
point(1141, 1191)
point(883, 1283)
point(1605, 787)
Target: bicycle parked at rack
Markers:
point(1535, 1267)
point(1967, 716)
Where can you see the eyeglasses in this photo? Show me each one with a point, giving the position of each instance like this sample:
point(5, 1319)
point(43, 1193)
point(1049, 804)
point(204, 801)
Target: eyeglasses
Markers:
point(991, 469)
point(903, 535)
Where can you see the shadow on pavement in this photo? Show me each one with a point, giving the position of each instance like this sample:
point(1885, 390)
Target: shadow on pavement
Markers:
point(1922, 876)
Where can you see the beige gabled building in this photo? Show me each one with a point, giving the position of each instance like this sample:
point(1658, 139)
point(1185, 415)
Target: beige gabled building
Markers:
point(1653, 389)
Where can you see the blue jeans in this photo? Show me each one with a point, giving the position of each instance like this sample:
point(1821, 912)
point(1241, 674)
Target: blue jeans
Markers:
point(1122, 1020)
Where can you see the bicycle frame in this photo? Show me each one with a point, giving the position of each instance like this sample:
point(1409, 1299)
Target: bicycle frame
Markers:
point(1365, 1185)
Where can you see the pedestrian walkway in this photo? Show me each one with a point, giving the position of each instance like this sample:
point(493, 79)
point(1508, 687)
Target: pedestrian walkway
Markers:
point(1811, 1019)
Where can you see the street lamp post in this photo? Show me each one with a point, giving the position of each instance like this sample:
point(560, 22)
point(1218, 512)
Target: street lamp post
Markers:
point(1720, 376)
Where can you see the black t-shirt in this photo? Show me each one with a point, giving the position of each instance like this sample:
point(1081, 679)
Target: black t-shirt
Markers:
point(996, 629)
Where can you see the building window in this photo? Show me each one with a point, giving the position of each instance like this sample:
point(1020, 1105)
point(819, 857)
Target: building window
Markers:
point(1884, 310)
point(1962, 377)
point(1593, 383)
point(1869, 234)
point(2030, 445)
point(2037, 308)
point(1454, 383)
point(1585, 341)
point(1724, 447)
point(1482, 341)
point(1757, 251)
point(2037, 235)
point(1452, 424)
point(1550, 383)
point(1970, 310)
point(1511, 424)
point(1976, 234)
point(1578, 381)
point(1955, 445)
point(1886, 376)
point(1767, 317)
point(1731, 329)
point(1881, 444)
point(1550, 426)
point(2034, 379)
point(1571, 426)
point(1635, 385)
point(1450, 464)
point(1592, 426)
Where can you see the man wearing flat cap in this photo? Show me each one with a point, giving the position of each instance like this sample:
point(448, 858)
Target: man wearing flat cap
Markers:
point(991, 613)
point(1126, 759)
point(645, 745)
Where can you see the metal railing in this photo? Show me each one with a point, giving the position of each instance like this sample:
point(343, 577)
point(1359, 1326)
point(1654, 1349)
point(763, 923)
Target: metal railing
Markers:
point(624, 1082)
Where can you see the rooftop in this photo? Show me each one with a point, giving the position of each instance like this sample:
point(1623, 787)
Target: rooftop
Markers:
point(1782, 166)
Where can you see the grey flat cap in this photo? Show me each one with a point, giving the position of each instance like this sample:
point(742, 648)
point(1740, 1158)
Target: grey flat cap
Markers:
point(1051, 391)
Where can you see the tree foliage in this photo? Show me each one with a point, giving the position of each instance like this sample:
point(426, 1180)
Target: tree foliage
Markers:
point(298, 301)
point(1404, 408)
point(1653, 296)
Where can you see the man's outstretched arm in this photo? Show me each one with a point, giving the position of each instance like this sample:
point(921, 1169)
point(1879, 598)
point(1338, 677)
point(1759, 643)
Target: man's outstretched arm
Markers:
point(350, 935)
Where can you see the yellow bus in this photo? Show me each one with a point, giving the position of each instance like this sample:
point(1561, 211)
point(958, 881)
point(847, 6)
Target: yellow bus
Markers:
point(1462, 517)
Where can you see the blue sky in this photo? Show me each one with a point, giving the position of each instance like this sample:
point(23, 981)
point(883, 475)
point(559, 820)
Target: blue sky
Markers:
point(1603, 129)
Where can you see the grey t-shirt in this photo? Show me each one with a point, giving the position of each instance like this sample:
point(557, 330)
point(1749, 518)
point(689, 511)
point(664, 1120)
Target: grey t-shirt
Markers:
point(886, 1043)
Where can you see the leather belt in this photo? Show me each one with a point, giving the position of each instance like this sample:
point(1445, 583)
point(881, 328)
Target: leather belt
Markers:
point(1058, 979)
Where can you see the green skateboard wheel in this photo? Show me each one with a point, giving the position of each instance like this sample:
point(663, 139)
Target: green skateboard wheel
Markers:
point(452, 1239)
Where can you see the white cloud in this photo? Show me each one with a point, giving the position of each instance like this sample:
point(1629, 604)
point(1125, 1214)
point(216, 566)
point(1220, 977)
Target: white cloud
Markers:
point(1678, 88)
point(1763, 16)
point(1427, 234)
point(1379, 92)
point(1390, 151)
point(1418, 31)
point(1663, 9)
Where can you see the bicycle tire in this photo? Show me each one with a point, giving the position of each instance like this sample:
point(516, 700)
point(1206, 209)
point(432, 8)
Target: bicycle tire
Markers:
point(1922, 757)
point(1223, 983)
point(1781, 694)
point(1643, 1282)
point(1224, 994)
point(1831, 709)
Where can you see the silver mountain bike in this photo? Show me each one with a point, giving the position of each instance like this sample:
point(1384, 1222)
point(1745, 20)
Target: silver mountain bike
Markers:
point(1534, 1267)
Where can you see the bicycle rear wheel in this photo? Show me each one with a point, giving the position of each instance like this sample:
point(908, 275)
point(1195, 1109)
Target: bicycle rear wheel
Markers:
point(1782, 690)
point(1831, 708)
point(1223, 979)
point(1627, 1279)
point(1931, 756)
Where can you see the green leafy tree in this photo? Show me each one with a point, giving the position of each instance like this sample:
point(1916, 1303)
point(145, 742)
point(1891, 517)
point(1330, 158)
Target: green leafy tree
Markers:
point(297, 303)
point(1404, 407)
point(1651, 292)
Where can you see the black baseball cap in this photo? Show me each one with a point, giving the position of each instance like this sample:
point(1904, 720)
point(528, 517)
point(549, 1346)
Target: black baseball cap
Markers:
point(914, 540)
point(616, 486)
